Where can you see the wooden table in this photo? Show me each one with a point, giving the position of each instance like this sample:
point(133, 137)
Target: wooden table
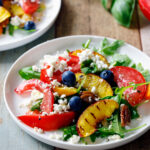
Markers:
point(76, 17)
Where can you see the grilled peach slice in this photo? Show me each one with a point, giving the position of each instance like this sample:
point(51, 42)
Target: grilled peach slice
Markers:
point(65, 90)
point(102, 88)
point(93, 115)
point(95, 53)
point(4, 14)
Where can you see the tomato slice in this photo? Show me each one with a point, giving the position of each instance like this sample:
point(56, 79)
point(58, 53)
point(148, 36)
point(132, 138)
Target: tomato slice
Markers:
point(74, 64)
point(50, 122)
point(30, 7)
point(48, 100)
point(145, 8)
point(125, 75)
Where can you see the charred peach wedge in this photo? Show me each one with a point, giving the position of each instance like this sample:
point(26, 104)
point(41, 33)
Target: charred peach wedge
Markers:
point(75, 53)
point(93, 115)
point(101, 87)
point(65, 90)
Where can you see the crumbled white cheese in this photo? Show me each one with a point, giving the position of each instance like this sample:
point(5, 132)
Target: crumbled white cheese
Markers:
point(93, 90)
point(63, 96)
point(55, 136)
point(38, 130)
point(36, 68)
point(114, 137)
point(55, 83)
point(74, 139)
point(35, 95)
point(50, 71)
point(16, 21)
point(88, 54)
point(55, 94)
point(44, 113)
point(61, 107)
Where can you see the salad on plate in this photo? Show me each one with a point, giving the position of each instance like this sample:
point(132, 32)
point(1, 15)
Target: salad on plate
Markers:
point(20, 15)
point(89, 93)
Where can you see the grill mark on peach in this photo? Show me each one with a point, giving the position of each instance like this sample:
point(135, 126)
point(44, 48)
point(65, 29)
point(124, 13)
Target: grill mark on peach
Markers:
point(105, 102)
point(93, 115)
point(97, 107)
point(87, 120)
point(81, 128)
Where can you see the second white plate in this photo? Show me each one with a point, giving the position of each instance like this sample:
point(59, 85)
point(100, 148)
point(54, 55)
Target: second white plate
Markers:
point(21, 37)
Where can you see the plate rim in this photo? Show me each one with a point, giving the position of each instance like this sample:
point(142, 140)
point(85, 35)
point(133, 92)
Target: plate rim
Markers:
point(63, 144)
point(30, 38)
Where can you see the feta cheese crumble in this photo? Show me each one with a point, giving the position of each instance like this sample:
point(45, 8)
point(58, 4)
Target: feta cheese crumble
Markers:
point(35, 95)
point(74, 139)
point(55, 136)
point(16, 21)
point(38, 130)
point(93, 90)
point(114, 137)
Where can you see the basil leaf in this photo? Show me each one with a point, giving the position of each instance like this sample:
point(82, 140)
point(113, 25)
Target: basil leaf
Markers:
point(37, 105)
point(120, 60)
point(112, 48)
point(104, 43)
point(27, 73)
point(122, 10)
point(11, 29)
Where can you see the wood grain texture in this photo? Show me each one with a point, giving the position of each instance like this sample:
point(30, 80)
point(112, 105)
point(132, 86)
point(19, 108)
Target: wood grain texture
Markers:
point(11, 136)
point(89, 17)
point(144, 32)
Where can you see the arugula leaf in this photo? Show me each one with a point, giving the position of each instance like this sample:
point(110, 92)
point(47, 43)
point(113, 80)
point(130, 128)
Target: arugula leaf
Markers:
point(105, 43)
point(120, 60)
point(69, 131)
point(37, 105)
point(88, 66)
point(86, 44)
point(27, 73)
point(111, 48)
point(11, 29)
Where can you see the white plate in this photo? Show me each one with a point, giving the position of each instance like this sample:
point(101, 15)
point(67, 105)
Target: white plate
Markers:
point(12, 100)
point(22, 37)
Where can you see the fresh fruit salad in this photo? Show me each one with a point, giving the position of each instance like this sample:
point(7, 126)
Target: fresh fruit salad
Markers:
point(83, 94)
point(20, 14)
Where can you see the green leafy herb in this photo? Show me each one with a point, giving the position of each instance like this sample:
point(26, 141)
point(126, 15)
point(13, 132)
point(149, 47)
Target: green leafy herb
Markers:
point(105, 43)
point(68, 132)
point(4, 30)
point(88, 66)
point(110, 49)
point(107, 4)
point(120, 60)
point(86, 44)
point(11, 29)
point(123, 11)
point(145, 73)
point(27, 73)
point(37, 105)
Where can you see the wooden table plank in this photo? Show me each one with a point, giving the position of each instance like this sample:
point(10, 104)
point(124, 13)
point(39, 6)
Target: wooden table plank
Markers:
point(88, 17)
point(11, 136)
point(144, 32)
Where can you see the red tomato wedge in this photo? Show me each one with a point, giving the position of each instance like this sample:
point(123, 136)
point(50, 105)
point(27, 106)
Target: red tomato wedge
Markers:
point(50, 122)
point(74, 64)
point(29, 7)
point(125, 75)
point(145, 8)
point(48, 100)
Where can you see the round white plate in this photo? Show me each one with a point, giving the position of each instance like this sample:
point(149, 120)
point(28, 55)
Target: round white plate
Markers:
point(22, 37)
point(12, 100)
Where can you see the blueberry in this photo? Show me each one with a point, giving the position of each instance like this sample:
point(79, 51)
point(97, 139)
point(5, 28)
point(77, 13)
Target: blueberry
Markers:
point(1, 2)
point(29, 25)
point(69, 78)
point(75, 103)
point(108, 76)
